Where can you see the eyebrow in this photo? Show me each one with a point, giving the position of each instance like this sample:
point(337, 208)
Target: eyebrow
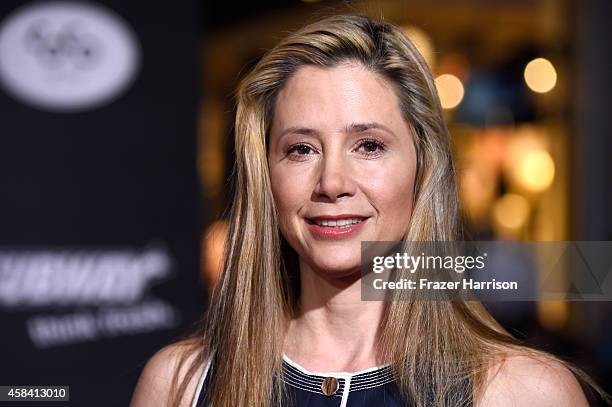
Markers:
point(305, 131)
point(350, 129)
point(361, 127)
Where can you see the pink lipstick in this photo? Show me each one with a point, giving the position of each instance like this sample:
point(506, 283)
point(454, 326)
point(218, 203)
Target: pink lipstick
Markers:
point(336, 226)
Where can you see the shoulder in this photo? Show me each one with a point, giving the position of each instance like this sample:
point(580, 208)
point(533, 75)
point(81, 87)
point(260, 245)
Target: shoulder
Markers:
point(155, 385)
point(537, 380)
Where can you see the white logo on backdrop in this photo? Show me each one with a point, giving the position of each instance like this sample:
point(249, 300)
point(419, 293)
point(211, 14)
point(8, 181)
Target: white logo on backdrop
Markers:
point(86, 295)
point(66, 56)
point(71, 277)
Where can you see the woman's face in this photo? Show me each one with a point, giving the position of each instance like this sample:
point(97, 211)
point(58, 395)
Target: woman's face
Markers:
point(342, 164)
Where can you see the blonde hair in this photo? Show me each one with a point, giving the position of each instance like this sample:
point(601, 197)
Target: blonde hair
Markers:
point(440, 350)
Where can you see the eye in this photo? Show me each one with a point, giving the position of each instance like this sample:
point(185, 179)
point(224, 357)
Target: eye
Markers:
point(371, 147)
point(299, 152)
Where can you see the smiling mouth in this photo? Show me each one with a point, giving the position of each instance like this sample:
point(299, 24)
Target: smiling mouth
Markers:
point(336, 223)
point(336, 227)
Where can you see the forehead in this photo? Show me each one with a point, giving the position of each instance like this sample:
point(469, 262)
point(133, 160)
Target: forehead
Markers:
point(341, 92)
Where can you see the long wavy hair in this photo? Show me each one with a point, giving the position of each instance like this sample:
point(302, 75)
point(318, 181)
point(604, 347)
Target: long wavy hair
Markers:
point(440, 350)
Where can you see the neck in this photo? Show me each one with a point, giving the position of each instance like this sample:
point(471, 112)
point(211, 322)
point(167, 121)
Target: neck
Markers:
point(334, 330)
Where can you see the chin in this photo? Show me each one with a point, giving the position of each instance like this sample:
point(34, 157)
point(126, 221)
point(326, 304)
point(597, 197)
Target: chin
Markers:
point(338, 263)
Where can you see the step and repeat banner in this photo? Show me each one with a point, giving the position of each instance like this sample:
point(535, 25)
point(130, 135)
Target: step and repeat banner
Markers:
point(99, 206)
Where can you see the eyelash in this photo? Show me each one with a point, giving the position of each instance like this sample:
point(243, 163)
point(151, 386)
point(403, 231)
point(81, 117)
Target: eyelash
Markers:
point(378, 143)
point(370, 154)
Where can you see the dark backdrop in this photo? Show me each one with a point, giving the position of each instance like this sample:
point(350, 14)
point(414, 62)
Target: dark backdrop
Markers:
point(107, 192)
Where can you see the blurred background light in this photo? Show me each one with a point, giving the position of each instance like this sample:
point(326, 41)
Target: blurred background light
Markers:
point(213, 244)
point(450, 90)
point(510, 213)
point(553, 314)
point(540, 75)
point(423, 43)
point(477, 191)
point(536, 171)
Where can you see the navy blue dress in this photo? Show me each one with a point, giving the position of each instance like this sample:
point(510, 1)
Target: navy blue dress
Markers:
point(371, 387)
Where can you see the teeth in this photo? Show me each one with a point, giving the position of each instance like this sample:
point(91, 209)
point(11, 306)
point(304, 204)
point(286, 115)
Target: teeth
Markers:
point(338, 223)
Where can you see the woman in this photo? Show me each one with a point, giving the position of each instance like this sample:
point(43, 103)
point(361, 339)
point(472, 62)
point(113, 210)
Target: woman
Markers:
point(340, 138)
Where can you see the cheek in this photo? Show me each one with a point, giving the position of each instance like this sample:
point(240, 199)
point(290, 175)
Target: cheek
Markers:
point(391, 192)
point(289, 197)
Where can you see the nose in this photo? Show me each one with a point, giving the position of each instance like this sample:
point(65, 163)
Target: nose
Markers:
point(335, 178)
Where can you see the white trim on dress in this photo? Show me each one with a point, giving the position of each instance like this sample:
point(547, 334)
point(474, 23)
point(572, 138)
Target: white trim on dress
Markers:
point(201, 382)
point(341, 375)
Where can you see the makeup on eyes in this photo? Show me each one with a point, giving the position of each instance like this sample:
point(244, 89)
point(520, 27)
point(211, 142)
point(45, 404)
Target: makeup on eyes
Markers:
point(304, 149)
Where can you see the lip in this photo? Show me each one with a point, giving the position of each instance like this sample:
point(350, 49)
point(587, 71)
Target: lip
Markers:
point(332, 232)
point(336, 217)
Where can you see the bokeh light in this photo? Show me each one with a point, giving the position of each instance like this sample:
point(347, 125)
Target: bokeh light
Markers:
point(422, 41)
point(540, 75)
point(536, 171)
point(213, 244)
point(510, 212)
point(450, 90)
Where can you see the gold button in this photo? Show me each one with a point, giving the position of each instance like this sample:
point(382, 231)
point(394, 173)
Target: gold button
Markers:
point(329, 386)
